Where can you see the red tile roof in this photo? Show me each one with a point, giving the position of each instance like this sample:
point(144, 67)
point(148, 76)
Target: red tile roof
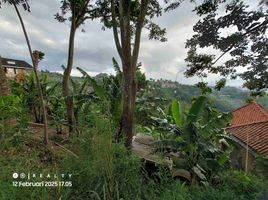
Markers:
point(250, 113)
point(256, 134)
point(250, 124)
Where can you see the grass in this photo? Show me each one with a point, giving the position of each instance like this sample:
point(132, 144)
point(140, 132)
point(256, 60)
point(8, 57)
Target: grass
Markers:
point(107, 171)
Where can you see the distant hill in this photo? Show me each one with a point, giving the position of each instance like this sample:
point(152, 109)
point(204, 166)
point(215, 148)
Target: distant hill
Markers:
point(228, 99)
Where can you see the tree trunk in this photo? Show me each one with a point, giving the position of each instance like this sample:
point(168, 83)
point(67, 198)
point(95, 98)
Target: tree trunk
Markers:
point(66, 78)
point(42, 101)
point(129, 62)
point(46, 140)
point(129, 97)
point(4, 89)
point(129, 87)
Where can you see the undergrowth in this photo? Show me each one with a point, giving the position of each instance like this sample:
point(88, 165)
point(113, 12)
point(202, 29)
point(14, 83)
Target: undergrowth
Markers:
point(106, 170)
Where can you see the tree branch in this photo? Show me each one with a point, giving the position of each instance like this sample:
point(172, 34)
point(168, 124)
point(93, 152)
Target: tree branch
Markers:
point(125, 30)
point(244, 34)
point(80, 17)
point(136, 48)
point(115, 32)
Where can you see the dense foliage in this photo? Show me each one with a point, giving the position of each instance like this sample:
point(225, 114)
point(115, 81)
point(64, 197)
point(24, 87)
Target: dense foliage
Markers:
point(245, 44)
point(104, 169)
point(88, 149)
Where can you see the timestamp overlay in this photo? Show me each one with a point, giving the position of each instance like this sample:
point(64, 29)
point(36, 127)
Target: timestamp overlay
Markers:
point(21, 179)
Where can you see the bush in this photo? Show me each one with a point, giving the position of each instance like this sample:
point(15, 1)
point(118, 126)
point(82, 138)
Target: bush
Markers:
point(229, 185)
point(13, 120)
point(247, 186)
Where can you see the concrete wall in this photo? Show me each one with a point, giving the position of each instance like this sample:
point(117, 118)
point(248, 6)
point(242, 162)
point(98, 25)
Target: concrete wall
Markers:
point(238, 158)
point(13, 72)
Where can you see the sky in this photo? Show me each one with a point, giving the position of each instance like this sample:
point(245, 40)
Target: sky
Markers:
point(95, 48)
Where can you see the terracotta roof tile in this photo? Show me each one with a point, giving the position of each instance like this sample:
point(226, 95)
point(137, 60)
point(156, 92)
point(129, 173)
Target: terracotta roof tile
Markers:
point(250, 113)
point(257, 134)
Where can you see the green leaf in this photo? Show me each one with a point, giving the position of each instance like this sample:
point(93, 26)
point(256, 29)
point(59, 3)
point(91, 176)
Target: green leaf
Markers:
point(99, 90)
point(176, 112)
point(196, 108)
point(116, 66)
point(199, 172)
point(222, 159)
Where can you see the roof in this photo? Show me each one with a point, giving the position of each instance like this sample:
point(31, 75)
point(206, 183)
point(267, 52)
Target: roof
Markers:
point(249, 113)
point(13, 63)
point(255, 133)
point(250, 126)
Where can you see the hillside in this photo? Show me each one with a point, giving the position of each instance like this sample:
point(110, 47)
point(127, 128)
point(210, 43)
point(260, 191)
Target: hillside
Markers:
point(229, 98)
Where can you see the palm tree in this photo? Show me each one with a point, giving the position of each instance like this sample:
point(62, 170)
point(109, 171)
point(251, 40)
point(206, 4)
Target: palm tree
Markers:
point(34, 58)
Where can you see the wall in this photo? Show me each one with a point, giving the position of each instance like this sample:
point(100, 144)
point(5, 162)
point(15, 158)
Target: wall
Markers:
point(238, 158)
point(12, 72)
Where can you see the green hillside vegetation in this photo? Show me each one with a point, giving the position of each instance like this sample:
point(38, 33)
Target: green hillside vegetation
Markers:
point(105, 169)
point(120, 136)
point(227, 99)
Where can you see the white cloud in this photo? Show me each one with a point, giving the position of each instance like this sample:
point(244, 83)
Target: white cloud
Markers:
point(95, 48)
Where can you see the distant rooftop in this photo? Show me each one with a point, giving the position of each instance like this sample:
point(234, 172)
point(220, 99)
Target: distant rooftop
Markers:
point(13, 63)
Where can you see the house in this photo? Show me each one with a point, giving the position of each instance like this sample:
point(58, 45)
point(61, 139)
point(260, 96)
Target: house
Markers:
point(249, 128)
point(14, 67)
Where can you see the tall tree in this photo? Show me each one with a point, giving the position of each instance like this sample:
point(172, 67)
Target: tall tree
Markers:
point(34, 59)
point(80, 11)
point(244, 47)
point(4, 89)
point(127, 18)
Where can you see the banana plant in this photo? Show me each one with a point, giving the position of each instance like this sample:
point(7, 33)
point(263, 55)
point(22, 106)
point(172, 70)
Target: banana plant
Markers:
point(29, 93)
point(197, 144)
point(57, 113)
point(109, 91)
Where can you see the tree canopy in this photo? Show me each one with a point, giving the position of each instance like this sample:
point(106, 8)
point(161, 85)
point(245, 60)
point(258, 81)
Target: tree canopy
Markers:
point(240, 34)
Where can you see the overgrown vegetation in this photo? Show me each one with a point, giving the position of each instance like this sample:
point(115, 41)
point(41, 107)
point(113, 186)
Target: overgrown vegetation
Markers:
point(86, 150)
point(104, 169)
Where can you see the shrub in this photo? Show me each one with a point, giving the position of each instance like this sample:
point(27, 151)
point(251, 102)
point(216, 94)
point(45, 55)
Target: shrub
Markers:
point(246, 186)
point(229, 185)
point(13, 120)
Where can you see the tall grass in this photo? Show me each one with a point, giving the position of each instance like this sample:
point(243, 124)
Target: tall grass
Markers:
point(104, 170)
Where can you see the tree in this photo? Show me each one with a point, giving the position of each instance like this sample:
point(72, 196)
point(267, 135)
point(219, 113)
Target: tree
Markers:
point(80, 12)
point(127, 19)
point(245, 43)
point(4, 89)
point(35, 56)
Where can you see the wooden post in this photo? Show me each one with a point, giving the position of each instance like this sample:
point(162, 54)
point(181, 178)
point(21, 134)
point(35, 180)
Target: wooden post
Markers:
point(246, 164)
